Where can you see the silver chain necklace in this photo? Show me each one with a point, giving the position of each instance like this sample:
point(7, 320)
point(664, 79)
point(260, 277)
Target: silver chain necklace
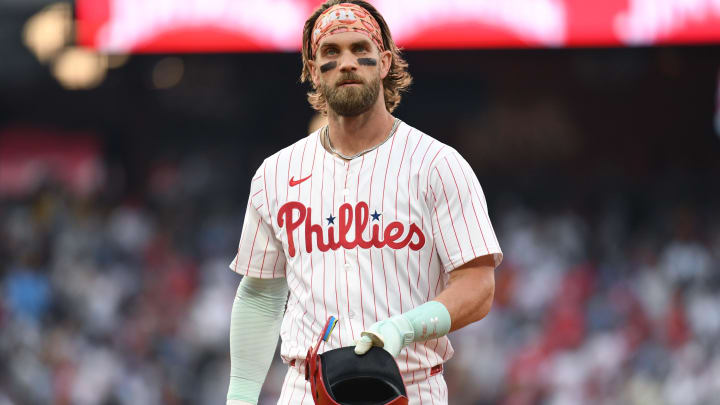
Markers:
point(395, 126)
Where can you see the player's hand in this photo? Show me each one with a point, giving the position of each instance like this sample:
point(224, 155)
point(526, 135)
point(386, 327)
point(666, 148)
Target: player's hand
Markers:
point(391, 334)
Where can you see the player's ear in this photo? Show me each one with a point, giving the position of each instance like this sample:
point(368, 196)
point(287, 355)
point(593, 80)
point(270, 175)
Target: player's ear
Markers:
point(313, 71)
point(385, 63)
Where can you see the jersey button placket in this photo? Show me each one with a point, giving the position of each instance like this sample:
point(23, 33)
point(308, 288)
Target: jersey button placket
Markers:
point(350, 267)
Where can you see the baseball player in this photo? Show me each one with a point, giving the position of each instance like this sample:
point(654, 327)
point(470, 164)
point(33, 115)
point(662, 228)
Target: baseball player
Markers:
point(367, 219)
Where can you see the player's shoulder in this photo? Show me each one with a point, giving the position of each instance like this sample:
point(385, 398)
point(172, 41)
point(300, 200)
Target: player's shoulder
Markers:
point(425, 148)
point(272, 162)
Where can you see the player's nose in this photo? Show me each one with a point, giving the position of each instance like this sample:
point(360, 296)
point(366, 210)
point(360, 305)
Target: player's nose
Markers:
point(348, 62)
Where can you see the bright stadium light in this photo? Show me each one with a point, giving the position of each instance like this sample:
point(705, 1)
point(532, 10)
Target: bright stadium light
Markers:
point(80, 69)
point(48, 31)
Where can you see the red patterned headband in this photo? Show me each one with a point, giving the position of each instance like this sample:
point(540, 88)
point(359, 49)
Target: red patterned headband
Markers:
point(346, 17)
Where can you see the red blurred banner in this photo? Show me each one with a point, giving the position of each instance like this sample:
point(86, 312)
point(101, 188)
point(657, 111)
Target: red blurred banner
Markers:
point(31, 157)
point(276, 25)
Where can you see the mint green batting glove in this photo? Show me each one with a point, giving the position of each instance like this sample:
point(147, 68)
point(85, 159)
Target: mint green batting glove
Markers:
point(428, 321)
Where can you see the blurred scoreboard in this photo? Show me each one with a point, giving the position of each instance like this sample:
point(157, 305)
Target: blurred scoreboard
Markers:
point(122, 26)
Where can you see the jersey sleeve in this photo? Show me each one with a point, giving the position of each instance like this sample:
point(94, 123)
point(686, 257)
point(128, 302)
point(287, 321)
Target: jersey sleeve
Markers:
point(460, 221)
point(260, 254)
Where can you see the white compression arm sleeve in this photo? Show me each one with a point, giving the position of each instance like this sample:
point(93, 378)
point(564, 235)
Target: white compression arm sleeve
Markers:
point(257, 313)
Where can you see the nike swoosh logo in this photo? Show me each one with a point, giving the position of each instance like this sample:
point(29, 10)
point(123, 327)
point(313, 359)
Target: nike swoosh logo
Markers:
point(294, 182)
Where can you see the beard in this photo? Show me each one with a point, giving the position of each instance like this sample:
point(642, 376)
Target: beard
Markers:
point(351, 101)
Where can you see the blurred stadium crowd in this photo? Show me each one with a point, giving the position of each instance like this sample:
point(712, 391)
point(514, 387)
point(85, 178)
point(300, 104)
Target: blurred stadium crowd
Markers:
point(126, 300)
point(600, 168)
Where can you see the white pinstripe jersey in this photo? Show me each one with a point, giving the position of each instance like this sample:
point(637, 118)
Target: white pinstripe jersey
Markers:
point(363, 240)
